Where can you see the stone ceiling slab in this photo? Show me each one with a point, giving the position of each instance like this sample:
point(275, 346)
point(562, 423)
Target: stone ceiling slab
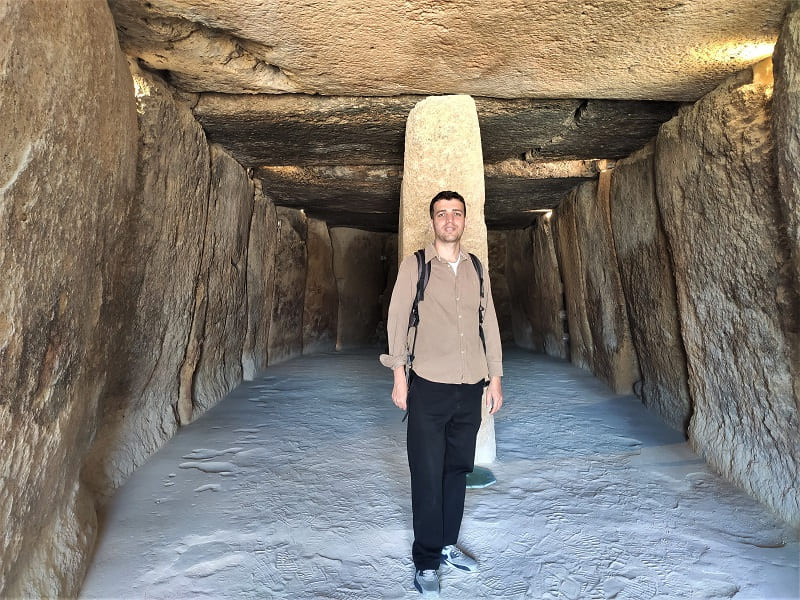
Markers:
point(612, 49)
point(348, 196)
point(315, 95)
point(368, 197)
point(297, 129)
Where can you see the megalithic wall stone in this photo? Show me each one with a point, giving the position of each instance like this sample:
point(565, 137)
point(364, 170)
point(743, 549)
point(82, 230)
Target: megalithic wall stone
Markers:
point(717, 190)
point(520, 274)
point(391, 265)
point(547, 292)
point(155, 302)
point(595, 301)
point(321, 303)
point(570, 264)
point(786, 132)
point(260, 283)
point(614, 357)
point(498, 251)
point(645, 267)
point(443, 152)
point(361, 270)
point(219, 325)
point(286, 326)
point(537, 295)
point(67, 174)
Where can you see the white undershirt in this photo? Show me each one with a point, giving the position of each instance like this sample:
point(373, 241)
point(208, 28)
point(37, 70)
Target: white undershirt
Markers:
point(455, 264)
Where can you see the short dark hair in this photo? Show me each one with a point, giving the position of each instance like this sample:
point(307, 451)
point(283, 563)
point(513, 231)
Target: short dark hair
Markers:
point(447, 195)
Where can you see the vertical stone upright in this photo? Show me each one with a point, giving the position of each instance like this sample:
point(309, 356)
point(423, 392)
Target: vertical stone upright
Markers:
point(443, 152)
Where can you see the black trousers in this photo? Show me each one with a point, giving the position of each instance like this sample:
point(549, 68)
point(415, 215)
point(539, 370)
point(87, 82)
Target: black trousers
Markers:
point(443, 423)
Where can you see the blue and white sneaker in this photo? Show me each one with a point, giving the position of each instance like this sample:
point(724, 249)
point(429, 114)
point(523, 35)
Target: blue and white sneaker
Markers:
point(427, 582)
point(454, 557)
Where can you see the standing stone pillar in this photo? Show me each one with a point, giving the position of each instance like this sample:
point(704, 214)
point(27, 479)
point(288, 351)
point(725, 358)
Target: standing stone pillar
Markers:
point(443, 152)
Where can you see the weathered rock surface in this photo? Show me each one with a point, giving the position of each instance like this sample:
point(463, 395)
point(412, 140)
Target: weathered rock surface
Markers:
point(534, 282)
point(260, 283)
point(614, 356)
point(311, 131)
point(718, 194)
point(548, 294)
point(390, 258)
point(500, 292)
point(213, 363)
point(67, 173)
point(519, 276)
point(321, 303)
point(517, 189)
point(570, 265)
point(504, 49)
point(360, 264)
point(339, 158)
point(645, 267)
point(367, 197)
point(155, 301)
point(362, 197)
point(291, 264)
point(597, 314)
point(442, 152)
point(786, 131)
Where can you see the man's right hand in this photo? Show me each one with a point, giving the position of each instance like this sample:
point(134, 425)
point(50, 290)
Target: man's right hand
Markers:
point(400, 389)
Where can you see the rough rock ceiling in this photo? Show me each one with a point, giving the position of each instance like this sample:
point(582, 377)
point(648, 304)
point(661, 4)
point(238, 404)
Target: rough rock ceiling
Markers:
point(314, 95)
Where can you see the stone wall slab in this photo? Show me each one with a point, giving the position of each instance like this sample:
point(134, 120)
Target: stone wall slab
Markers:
point(67, 174)
point(718, 193)
point(498, 252)
point(260, 283)
point(156, 281)
point(645, 267)
point(519, 275)
point(286, 326)
point(321, 304)
point(600, 338)
point(360, 264)
point(614, 357)
point(786, 132)
point(546, 292)
point(570, 263)
point(220, 312)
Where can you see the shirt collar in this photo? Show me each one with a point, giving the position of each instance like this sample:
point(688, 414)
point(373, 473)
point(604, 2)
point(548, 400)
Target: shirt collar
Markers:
point(430, 253)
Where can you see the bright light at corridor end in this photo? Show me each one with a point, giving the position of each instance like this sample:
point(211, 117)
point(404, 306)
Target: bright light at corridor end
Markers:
point(742, 52)
point(545, 212)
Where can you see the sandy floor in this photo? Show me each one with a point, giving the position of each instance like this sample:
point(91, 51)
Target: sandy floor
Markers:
point(296, 486)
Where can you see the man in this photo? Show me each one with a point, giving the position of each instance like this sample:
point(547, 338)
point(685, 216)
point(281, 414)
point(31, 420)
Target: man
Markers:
point(448, 375)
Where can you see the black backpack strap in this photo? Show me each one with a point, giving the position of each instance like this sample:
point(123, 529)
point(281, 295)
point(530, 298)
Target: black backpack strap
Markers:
point(423, 275)
point(479, 270)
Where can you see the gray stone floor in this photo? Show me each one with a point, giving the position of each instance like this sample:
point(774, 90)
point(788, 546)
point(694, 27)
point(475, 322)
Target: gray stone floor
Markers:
point(296, 486)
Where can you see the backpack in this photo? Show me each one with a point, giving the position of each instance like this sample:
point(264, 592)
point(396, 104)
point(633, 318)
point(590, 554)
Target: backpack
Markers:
point(423, 275)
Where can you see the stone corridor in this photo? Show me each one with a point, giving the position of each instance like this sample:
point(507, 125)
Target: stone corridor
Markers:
point(296, 486)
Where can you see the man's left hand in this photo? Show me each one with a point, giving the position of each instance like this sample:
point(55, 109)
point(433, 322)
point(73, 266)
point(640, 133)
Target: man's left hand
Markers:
point(494, 395)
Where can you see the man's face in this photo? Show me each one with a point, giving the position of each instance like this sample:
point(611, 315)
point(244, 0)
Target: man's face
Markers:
point(448, 220)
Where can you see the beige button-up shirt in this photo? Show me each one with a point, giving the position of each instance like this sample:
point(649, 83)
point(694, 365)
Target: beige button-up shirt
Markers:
point(448, 346)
